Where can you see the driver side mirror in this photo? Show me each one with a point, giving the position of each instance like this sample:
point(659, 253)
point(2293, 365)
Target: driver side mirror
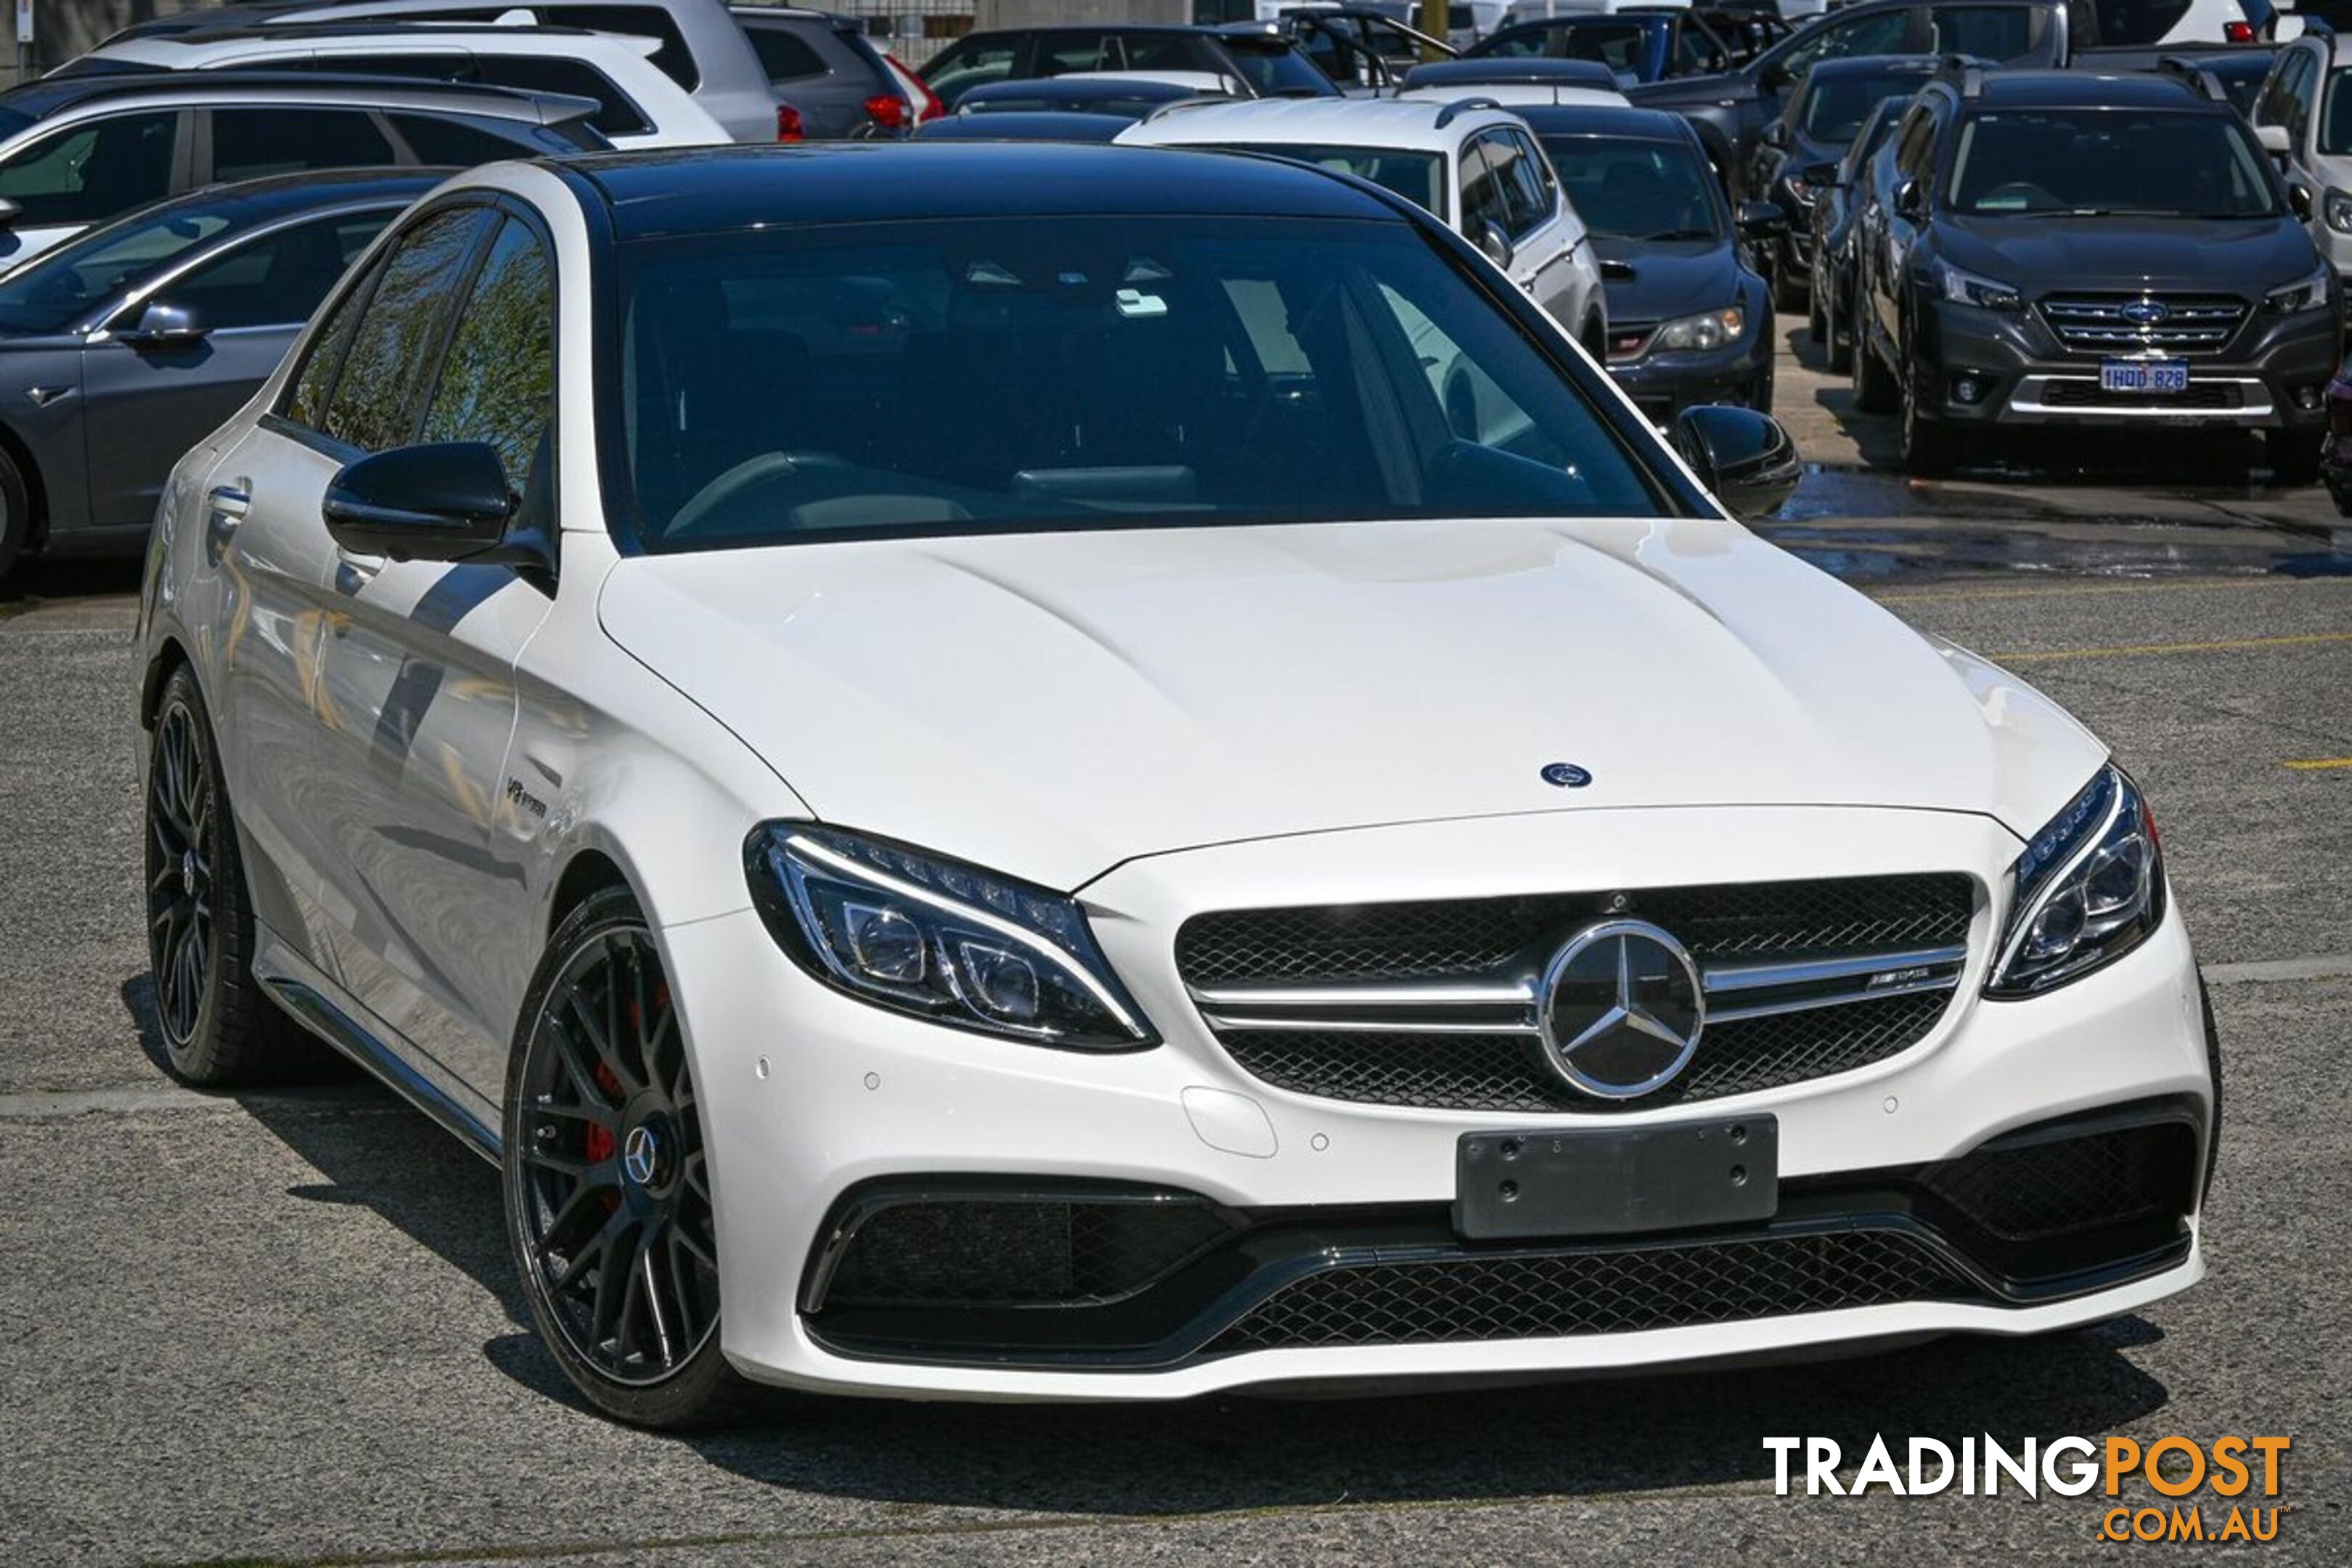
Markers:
point(1821, 175)
point(1496, 245)
point(2298, 202)
point(164, 325)
point(445, 501)
point(1774, 77)
point(2274, 141)
point(1910, 200)
point(9, 212)
point(1762, 220)
point(1743, 457)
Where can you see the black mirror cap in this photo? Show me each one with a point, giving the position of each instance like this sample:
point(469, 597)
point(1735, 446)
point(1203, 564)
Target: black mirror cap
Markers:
point(1823, 174)
point(9, 213)
point(447, 501)
point(2298, 202)
point(1614, 269)
point(1742, 455)
point(1762, 220)
point(1910, 200)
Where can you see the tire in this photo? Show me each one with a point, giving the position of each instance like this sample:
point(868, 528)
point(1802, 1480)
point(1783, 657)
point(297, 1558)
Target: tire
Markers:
point(217, 1027)
point(15, 514)
point(599, 1061)
point(1841, 351)
point(2293, 456)
point(1929, 445)
point(1876, 389)
point(1816, 325)
point(1789, 291)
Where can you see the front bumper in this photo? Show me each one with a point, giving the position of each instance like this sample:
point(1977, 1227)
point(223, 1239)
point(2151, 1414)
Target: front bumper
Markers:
point(822, 1102)
point(2270, 376)
point(1662, 385)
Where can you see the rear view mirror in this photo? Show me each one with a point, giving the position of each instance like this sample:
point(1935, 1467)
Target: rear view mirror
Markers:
point(1745, 457)
point(2298, 202)
point(445, 501)
point(1910, 200)
point(1762, 220)
point(1819, 175)
point(1614, 271)
point(9, 212)
point(2274, 140)
point(1496, 245)
point(165, 325)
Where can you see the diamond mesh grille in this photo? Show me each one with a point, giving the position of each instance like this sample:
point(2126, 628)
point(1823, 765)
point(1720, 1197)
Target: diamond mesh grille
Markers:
point(1606, 1292)
point(1002, 1252)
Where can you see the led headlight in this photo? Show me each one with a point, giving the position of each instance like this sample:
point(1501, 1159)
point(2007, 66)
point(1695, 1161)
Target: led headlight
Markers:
point(1708, 330)
point(1967, 289)
point(2305, 294)
point(935, 938)
point(2337, 210)
point(2089, 888)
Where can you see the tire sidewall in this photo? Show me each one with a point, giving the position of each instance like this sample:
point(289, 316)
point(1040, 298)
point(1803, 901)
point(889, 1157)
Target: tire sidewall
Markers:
point(707, 1389)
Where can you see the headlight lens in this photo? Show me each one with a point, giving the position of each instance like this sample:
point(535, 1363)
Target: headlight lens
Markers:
point(1967, 289)
point(935, 938)
point(2337, 210)
point(2305, 294)
point(2090, 888)
point(1710, 330)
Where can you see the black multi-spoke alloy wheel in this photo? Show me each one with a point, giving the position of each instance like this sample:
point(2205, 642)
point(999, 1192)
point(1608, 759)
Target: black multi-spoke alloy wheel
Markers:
point(1876, 388)
point(608, 1180)
point(217, 1027)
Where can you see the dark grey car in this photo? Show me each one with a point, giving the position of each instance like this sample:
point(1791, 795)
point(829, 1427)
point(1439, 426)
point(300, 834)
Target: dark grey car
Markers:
point(822, 65)
point(122, 348)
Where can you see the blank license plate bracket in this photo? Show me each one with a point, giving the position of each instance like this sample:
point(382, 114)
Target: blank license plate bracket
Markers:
point(1675, 1175)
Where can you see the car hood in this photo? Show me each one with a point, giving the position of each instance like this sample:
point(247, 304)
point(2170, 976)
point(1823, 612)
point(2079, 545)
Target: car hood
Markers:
point(1673, 279)
point(1051, 705)
point(2059, 254)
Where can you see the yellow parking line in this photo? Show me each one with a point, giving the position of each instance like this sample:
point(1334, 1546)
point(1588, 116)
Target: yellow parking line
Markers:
point(2230, 645)
point(2314, 764)
point(1924, 595)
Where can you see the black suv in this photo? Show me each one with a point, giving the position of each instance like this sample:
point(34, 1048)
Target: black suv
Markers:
point(2063, 248)
point(1825, 113)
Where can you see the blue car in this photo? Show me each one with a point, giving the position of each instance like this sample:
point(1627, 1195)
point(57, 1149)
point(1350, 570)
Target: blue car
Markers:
point(1637, 47)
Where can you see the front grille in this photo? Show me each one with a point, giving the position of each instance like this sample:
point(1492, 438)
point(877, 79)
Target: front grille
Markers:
point(1618, 1290)
point(1463, 938)
point(1021, 1251)
point(2083, 391)
point(1252, 971)
point(1508, 1072)
point(2064, 1186)
point(2099, 323)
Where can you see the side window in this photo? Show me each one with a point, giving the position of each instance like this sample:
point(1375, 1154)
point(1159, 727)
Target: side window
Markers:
point(1880, 32)
point(2303, 85)
point(314, 380)
point(378, 390)
point(462, 143)
point(249, 144)
point(1524, 194)
point(1482, 194)
point(953, 75)
point(93, 170)
point(673, 59)
point(1913, 144)
point(498, 380)
point(782, 57)
point(1067, 52)
point(617, 115)
point(1547, 184)
point(278, 280)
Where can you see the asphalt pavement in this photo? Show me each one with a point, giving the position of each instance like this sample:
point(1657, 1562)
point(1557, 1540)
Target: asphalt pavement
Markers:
point(280, 1326)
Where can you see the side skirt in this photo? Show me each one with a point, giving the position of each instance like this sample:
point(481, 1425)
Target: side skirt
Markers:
point(316, 1004)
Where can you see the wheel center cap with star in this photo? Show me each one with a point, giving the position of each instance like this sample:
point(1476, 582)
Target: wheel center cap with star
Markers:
point(1620, 1009)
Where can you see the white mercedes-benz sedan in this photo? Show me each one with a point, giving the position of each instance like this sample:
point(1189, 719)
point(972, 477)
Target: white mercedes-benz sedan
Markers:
point(1012, 771)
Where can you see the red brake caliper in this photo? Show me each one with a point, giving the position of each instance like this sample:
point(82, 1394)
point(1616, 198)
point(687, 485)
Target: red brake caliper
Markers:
point(598, 1144)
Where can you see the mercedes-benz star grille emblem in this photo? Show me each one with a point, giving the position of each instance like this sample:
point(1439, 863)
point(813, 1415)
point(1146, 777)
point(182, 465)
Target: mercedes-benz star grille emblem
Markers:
point(641, 1155)
point(1620, 1009)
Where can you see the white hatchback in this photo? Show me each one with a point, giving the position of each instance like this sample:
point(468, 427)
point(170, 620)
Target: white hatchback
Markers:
point(1477, 168)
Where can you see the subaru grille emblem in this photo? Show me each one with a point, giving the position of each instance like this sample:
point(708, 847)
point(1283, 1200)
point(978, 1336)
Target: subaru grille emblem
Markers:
point(2146, 312)
point(1620, 1009)
point(1566, 775)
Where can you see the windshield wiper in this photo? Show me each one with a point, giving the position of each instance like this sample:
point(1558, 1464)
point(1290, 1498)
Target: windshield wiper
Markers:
point(2116, 212)
point(1670, 234)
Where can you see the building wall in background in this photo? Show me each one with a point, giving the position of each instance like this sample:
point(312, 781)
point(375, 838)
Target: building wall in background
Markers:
point(63, 28)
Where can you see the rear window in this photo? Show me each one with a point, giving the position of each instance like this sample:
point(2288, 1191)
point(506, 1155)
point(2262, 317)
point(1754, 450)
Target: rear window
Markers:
point(461, 143)
point(782, 57)
point(2132, 21)
point(1839, 105)
point(1274, 69)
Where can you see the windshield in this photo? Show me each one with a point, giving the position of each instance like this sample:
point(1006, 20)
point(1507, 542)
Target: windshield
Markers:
point(2336, 124)
point(1274, 69)
point(1837, 106)
point(1418, 177)
point(58, 288)
point(1636, 190)
point(955, 377)
point(2119, 162)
